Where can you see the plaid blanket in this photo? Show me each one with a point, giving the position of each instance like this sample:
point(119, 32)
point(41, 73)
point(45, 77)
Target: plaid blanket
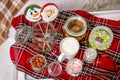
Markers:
point(105, 67)
point(8, 9)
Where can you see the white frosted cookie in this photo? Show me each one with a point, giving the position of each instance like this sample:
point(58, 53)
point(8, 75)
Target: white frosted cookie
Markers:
point(49, 12)
point(32, 13)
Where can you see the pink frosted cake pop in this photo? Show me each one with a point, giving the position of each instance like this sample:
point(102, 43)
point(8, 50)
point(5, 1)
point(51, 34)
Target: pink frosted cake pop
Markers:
point(49, 12)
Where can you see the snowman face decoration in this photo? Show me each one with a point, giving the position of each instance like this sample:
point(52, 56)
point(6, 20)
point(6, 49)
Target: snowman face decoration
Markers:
point(32, 13)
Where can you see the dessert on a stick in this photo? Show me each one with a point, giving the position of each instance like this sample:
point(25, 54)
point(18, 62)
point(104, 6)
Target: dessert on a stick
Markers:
point(32, 13)
point(49, 12)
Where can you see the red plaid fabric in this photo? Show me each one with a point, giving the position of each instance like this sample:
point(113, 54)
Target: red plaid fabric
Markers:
point(105, 67)
point(8, 9)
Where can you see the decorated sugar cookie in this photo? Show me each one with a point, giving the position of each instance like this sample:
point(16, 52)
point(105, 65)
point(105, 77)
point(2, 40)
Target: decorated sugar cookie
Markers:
point(32, 13)
point(49, 12)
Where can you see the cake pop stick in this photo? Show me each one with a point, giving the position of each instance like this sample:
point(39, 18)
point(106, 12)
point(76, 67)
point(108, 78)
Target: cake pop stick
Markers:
point(41, 29)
